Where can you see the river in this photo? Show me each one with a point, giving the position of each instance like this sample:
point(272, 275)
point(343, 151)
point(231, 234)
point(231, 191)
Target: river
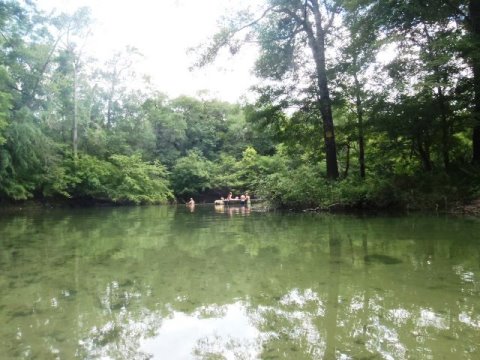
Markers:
point(214, 283)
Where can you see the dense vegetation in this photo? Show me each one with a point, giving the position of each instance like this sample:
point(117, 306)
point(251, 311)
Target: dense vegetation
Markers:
point(364, 104)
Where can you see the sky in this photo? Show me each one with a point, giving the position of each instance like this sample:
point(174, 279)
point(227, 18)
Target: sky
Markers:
point(163, 31)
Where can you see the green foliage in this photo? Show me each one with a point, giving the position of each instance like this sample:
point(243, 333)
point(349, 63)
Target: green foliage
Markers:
point(253, 168)
point(88, 176)
point(169, 128)
point(225, 174)
point(298, 187)
point(294, 188)
point(5, 99)
point(277, 54)
point(26, 155)
point(122, 179)
point(245, 174)
point(301, 187)
point(133, 180)
point(191, 174)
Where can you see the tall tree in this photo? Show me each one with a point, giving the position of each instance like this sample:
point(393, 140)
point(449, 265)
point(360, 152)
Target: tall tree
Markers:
point(114, 75)
point(357, 57)
point(463, 16)
point(74, 30)
point(473, 25)
point(25, 52)
point(283, 30)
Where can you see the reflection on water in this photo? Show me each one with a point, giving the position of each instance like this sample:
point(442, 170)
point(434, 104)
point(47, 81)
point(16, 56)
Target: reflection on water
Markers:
point(223, 330)
point(168, 283)
point(233, 209)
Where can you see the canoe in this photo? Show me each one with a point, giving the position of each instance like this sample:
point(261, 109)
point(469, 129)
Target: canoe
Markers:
point(232, 202)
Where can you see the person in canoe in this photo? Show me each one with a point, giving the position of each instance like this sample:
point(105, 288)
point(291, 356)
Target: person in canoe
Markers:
point(243, 199)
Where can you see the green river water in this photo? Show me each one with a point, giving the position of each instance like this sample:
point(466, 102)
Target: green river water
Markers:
point(214, 283)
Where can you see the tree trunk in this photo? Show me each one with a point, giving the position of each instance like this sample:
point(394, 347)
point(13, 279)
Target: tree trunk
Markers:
point(74, 125)
point(361, 143)
point(317, 45)
point(442, 103)
point(110, 105)
point(425, 156)
point(476, 143)
point(445, 129)
point(474, 10)
point(109, 114)
point(328, 134)
point(347, 161)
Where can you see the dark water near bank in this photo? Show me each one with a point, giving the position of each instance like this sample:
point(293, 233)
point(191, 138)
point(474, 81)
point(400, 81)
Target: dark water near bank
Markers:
point(167, 283)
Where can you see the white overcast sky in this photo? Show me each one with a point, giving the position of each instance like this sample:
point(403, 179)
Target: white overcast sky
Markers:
point(163, 30)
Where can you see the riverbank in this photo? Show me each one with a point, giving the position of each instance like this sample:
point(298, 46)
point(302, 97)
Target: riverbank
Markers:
point(455, 193)
point(12, 206)
point(470, 208)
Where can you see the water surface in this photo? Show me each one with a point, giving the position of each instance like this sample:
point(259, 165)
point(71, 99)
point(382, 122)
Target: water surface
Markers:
point(214, 283)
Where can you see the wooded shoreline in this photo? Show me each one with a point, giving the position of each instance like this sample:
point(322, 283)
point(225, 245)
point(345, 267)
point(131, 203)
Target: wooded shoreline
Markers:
point(334, 123)
point(470, 208)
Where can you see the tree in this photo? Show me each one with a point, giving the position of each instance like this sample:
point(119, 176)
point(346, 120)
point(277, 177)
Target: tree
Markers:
point(460, 17)
point(357, 56)
point(5, 99)
point(26, 154)
point(282, 31)
point(77, 31)
point(169, 128)
point(473, 54)
point(66, 62)
point(139, 182)
point(113, 77)
point(191, 174)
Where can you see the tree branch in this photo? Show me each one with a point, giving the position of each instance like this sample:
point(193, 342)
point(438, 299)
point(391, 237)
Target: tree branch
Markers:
point(209, 51)
point(293, 15)
point(254, 22)
point(44, 68)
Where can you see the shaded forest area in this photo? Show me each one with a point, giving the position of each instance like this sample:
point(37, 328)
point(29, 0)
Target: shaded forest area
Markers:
point(363, 104)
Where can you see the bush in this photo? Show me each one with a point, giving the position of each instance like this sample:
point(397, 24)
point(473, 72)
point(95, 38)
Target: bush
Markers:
point(133, 180)
point(191, 174)
point(123, 179)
